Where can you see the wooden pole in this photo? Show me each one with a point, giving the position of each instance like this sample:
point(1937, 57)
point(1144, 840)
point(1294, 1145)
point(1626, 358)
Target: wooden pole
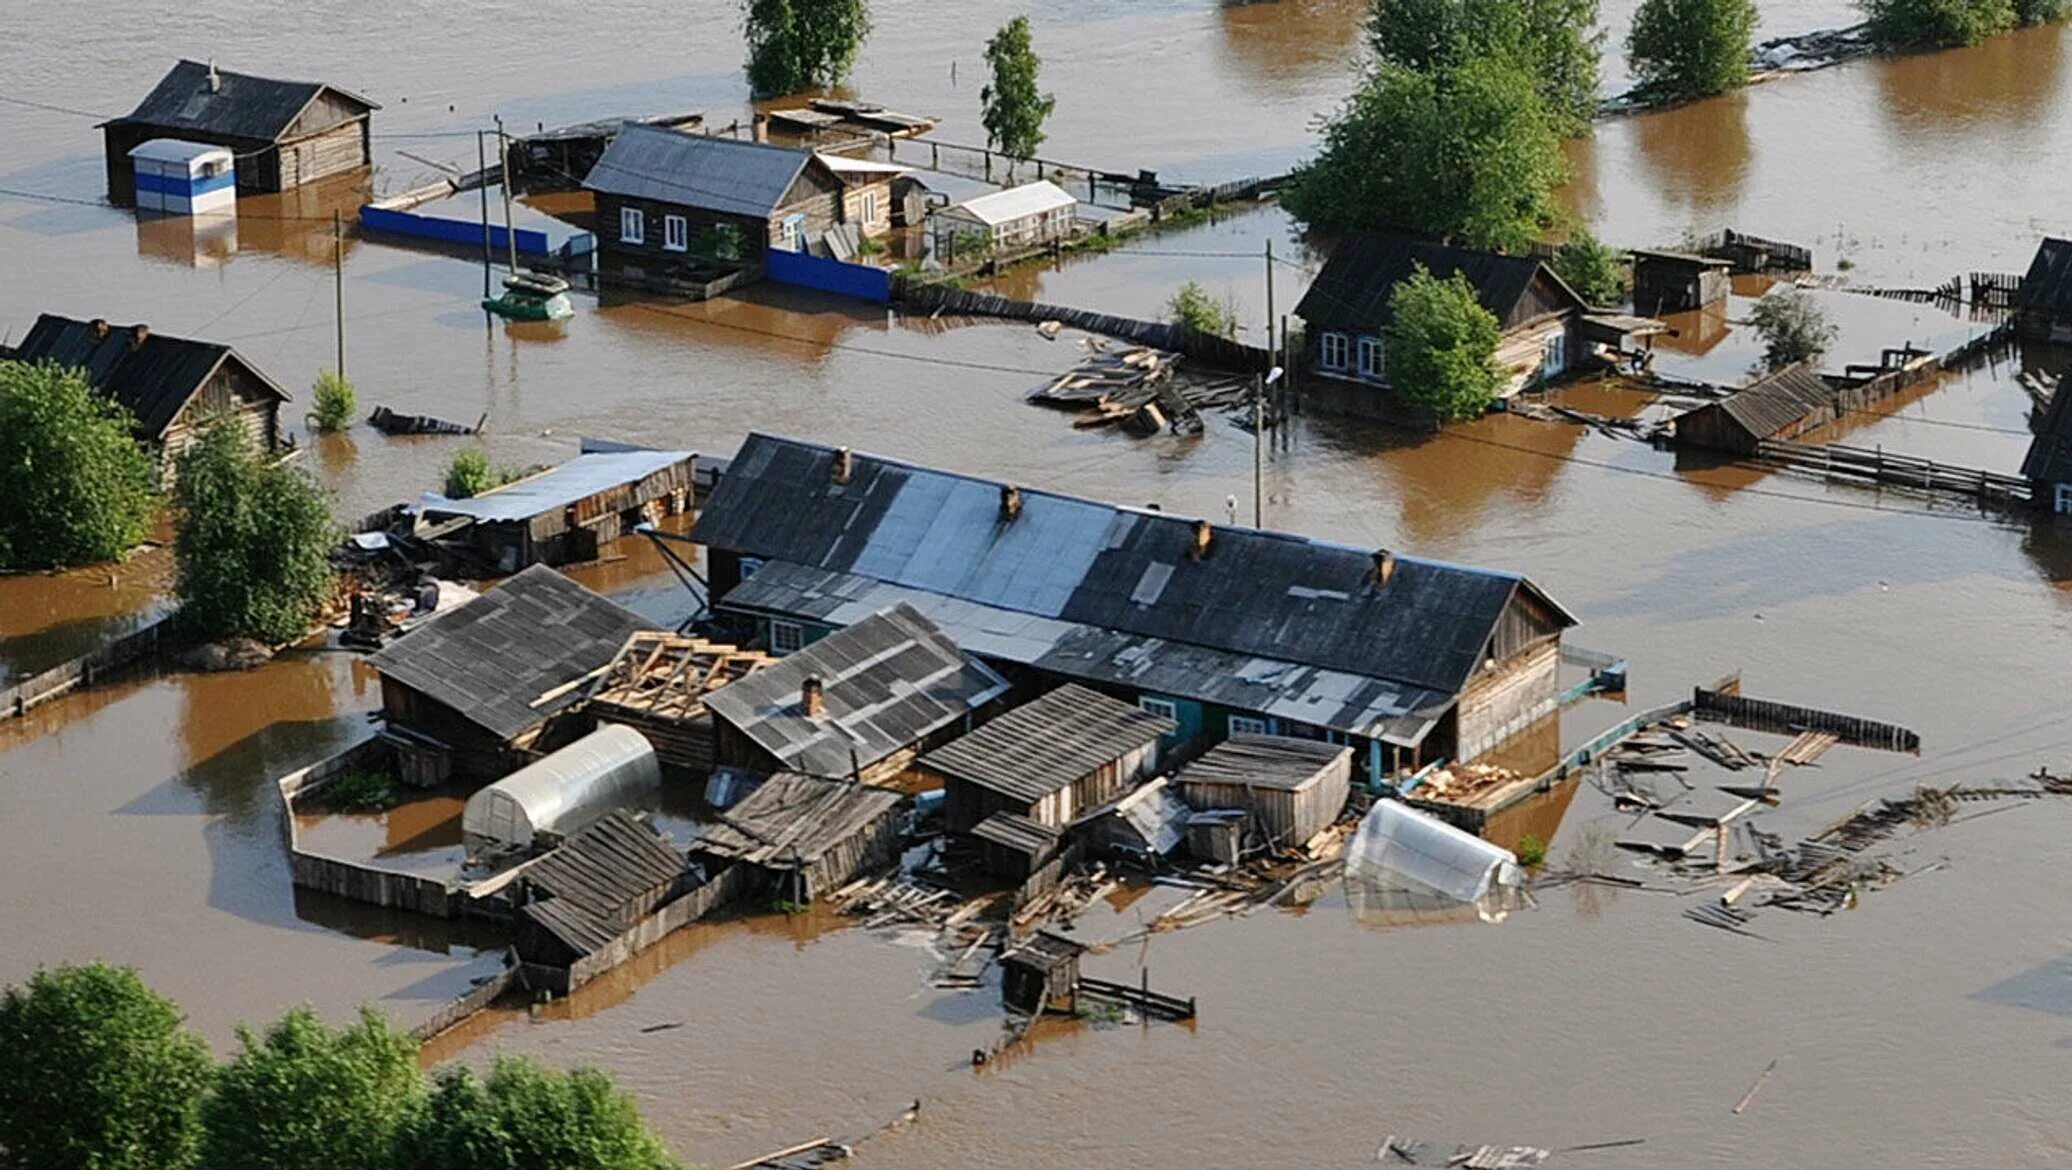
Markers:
point(503, 146)
point(338, 282)
point(1258, 451)
point(482, 174)
point(1269, 301)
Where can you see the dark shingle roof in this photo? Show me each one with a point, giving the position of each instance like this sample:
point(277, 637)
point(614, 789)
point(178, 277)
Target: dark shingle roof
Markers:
point(243, 106)
point(1043, 746)
point(697, 170)
point(1353, 290)
point(152, 381)
point(2048, 285)
point(492, 657)
point(1262, 761)
point(2050, 452)
point(1773, 403)
point(1017, 832)
point(887, 682)
point(585, 888)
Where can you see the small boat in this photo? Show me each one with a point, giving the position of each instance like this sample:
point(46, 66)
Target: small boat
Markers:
point(531, 297)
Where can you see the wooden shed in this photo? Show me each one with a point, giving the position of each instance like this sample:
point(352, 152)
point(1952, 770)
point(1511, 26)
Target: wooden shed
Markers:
point(285, 133)
point(575, 900)
point(563, 514)
point(1783, 405)
point(1013, 846)
point(1042, 974)
point(2048, 465)
point(1048, 760)
point(1678, 282)
point(2043, 304)
point(804, 836)
point(1292, 788)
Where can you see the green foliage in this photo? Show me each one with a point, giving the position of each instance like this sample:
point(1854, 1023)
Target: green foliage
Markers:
point(307, 1095)
point(1466, 153)
point(1554, 42)
point(524, 1116)
point(798, 44)
point(1793, 327)
point(1012, 107)
point(1692, 48)
point(363, 792)
point(2041, 11)
point(1441, 347)
point(251, 542)
point(470, 475)
point(97, 1073)
point(1934, 24)
point(77, 484)
point(1532, 852)
point(1193, 306)
point(1595, 270)
point(335, 403)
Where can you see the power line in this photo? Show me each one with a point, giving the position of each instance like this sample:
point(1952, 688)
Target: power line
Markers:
point(15, 101)
point(44, 197)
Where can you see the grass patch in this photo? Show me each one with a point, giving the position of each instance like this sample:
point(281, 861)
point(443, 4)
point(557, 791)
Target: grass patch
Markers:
point(1532, 852)
point(361, 792)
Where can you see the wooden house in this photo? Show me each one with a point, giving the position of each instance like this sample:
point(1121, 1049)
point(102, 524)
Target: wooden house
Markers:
point(1678, 282)
point(862, 703)
point(577, 903)
point(1223, 630)
point(1048, 760)
point(171, 386)
point(284, 133)
point(563, 514)
point(2043, 304)
point(1782, 405)
point(1042, 974)
point(1028, 216)
point(657, 686)
point(1290, 789)
point(803, 837)
point(470, 690)
point(2048, 466)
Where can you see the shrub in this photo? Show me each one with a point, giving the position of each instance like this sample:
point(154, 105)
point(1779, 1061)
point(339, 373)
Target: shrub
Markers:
point(1934, 24)
point(362, 792)
point(1794, 328)
point(78, 485)
point(1193, 306)
point(2041, 11)
point(523, 1115)
point(1532, 852)
point(1692, 48)
point(251, 541)
point(335, 404)
point(1441, 350)
point(1597, 272)
point(306, 1095)
point(470, 475)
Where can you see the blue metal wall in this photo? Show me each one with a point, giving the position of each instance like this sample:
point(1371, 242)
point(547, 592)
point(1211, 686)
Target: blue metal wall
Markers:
point(450, 231)
point(850, 280)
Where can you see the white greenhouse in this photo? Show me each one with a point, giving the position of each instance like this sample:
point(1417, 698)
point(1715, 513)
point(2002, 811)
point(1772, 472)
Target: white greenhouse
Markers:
point(561, 794)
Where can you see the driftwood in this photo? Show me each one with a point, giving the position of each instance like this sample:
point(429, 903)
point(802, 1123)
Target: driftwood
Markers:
point(388, 422)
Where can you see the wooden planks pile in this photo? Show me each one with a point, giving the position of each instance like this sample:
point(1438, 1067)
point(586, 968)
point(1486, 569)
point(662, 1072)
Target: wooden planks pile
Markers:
point(1137, 388)
point(657, 685)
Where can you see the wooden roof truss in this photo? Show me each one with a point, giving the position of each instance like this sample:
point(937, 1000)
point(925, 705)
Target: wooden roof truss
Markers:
point(667, 676)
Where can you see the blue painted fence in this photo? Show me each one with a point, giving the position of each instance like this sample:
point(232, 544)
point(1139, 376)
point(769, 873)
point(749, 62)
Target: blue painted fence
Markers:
point(450, 231)
point(835, 276)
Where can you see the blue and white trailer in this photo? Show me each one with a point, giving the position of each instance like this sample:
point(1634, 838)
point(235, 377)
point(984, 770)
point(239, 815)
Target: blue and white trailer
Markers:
point(184, 178)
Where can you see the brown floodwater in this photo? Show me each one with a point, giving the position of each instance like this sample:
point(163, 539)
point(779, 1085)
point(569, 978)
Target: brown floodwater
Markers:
point(139, 823)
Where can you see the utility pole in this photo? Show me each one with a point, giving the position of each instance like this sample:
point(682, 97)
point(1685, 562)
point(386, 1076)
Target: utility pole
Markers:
point(503, 147)
point(482, 185)
point(1258, 451)
point(338, 282)
point(1269, 302)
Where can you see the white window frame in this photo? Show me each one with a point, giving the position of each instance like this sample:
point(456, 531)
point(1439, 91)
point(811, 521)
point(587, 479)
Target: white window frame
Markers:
point(1331, 351)
point(1368, 356)
point(869, 203)
point(1163, 708)
point(632, 225)
point(1248, 725)
point(787, 632)
point(676, 234)
point(1554, 355)
point(788, 234)
point(2063, 498)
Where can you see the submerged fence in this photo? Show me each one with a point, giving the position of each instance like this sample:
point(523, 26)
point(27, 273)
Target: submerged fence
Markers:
point(1207, 348)
point(17, 698)
point(1784, 719)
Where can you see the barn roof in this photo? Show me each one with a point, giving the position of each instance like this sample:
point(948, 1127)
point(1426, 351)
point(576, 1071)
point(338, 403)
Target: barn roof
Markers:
point(792, 820)
point(152, 380)
point(1776, 401)
point(494, 657)
point(2050, 452)
point(1044, 745)
point(1262, 761)
point(887, 682)
point(1353, 290)
point(2048, 285)
point(241, 106)
point(728, 175)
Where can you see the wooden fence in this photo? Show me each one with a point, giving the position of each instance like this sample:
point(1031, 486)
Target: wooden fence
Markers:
point(18, 697)
point(1856, 465)
point(1206, 348)
point(460, 1010)
point(1784, 719)
point(1995, 290)
point(732, 884)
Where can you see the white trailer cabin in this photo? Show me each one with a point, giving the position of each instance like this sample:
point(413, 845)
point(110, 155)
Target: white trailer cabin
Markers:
point(178, 177)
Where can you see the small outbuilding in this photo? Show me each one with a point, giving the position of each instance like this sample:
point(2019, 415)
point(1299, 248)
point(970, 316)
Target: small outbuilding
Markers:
point(1048, 760)
point(578, 904)
point(562, 793)
point(1143, 824)
point(1678, 282)
point(2043, 304)
point(1027, 216)
point(1783, 405)
point(804, 836)
point(564, 514)
point(1042, 975)
point(184, 178)
point(284, 133)
point(1012, 846)
point(1292, 789)
point(2048, 466)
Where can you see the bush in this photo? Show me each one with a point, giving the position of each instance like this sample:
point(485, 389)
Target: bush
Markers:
point(1441, 350)
point(2041, 11)
point(470, 475)
point(1193, 306)
point(1794, 328)
point(1692, 48)
point(362, 792)
point(1532, 852)
point(251, 541)
point(306, 1095)
point(523, 1115)
point(78, 485)
point(1597, 272)
point(335, 404)
point(1934, 24)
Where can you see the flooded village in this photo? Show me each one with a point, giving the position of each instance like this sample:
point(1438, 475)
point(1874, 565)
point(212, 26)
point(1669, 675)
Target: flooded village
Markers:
point(915, 703)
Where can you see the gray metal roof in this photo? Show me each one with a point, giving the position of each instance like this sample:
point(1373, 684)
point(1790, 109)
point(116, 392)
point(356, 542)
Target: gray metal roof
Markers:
point(1255, 594)
point(241, 106)
point(1044, 745)
point(1017, 832)
point(579, 478)
point(493, 657)
point(153, 380)
point(887, 682)
point(1339, 700)
point(2048, 285)
point(697, 170)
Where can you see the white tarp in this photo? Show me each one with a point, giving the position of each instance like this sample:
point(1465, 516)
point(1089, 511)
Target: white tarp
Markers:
point(1403, 860)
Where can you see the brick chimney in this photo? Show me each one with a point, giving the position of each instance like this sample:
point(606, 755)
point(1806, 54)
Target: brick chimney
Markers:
point(762, 127)
point(1010, 501)
point(844, 464)
point(1204, 533)
point(1384, 566)
point(100, 328)
point(139, 334)
point(811, 701)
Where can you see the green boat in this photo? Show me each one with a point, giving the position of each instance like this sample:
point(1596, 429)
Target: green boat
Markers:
point(530, 297)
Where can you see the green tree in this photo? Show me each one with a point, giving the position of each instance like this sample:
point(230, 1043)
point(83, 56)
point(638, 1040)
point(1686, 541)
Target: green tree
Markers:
point(1193, 306)
point(2041, 11)
point(1793, 327)
point(97, 1073)
point(1441, 348)
point(798, 44)
point(335, 401)
point(1554, 42)
point(1934, 24)
point(1012, 107)
point(77, 484)
point(1692, 48)
point(251, 541)
point(1595, 270)
point(306, 1095)
point(1465, 153)
point(525, 1116)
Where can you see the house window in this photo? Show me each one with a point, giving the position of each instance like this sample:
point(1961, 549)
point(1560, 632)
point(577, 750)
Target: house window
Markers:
point(632, 226)
point(786, 637)
point(1331, 351)
point(2064, 499)
point(1246, 725)
point(870, 207)
point(1370, 357)
point(1163, 708)
point(1554, 355)
point(788, 234)
point(676, 234)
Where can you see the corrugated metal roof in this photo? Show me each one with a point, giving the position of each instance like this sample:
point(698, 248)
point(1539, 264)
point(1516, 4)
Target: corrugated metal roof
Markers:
point(1775, 402)
point(1268, 595)
point(727, 175)
point(242, 106)
point(887, 682)
point(844, 165)
point(1015, 203)
point(2048, 285)
point(1263, 761)
point(2050, 452)
point(1044, 745)
point(152, 381)
point(491, 658)
point(1017, 832)
point(579, 478)
point(1353, 290)
point(793, 820)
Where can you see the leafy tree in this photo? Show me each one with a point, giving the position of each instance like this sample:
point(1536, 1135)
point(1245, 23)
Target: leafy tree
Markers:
point(1692, 48)
point(251, 541)
point(1012, 107)
point(1193, 306)
point(2041, 11)
point(335, 401)
point(1553, 41)
point(1441, 349)
point(77, 484)
point(306, 1095)
point(1793, 326)
point(1595, 270)
point(1933, 24)
point(97, 1073)
point(798, 44)
point(1466, 153)
point(526, 1116)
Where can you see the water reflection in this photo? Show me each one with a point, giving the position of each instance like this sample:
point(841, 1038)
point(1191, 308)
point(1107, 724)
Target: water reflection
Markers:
point(1276, 46)
point(1697, 156)
point(2004, 84)
point(299, 224)
point(195, 241)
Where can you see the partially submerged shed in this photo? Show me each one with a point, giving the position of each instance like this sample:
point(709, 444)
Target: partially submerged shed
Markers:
point(285, 133)
point(1019, 217)
point(804, 836)
point(562, 793)
point(562, 515)
point(2043, 306)
point(2048, 465)
point(578, 902)
point(1048, 760)
point(1144, 824)
point(1042, 974)
point(1782, 405)
point(1292, 789)
point(1013, 846)
point(1678, 282)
